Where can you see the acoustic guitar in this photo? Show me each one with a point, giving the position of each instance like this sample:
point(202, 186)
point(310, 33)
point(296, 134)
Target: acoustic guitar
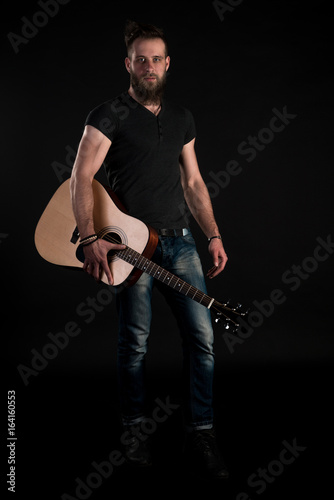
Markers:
point(57, 241)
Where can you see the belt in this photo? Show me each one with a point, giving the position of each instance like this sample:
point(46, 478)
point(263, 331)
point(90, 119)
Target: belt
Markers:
point(173, 232)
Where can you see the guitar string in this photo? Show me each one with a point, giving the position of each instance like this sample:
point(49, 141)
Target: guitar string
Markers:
point(164, 274)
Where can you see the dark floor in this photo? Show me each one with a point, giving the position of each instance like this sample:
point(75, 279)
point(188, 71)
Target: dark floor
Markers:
point(66, 423)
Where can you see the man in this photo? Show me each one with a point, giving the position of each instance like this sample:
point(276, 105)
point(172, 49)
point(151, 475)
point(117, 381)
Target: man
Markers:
point(147, 147)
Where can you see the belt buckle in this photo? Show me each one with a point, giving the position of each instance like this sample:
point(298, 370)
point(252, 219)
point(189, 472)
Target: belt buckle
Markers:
point(173, 232)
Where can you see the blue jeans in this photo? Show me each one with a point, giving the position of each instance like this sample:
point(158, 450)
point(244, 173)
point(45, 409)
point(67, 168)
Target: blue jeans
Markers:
point(179, 256)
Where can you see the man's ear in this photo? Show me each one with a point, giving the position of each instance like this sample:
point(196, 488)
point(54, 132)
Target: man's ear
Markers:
point(167, 62)
point(127, 64)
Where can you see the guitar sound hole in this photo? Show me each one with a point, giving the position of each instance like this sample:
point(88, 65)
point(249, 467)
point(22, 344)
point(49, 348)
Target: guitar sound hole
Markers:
point(113, 238)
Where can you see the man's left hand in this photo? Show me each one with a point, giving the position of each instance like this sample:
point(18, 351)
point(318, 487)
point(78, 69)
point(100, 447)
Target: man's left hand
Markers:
point(219, 257)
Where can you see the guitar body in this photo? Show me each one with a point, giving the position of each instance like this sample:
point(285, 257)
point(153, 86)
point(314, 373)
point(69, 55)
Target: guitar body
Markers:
point(57, 226)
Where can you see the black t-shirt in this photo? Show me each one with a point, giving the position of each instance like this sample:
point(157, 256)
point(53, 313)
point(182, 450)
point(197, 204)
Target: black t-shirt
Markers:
point(142, 163)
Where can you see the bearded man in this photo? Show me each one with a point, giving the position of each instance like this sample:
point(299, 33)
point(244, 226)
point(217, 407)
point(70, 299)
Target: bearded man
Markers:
point(146, 144)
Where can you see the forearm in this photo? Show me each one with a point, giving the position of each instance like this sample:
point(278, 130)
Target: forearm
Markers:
point(200, 206)
point(83, 204)
point(199, 203)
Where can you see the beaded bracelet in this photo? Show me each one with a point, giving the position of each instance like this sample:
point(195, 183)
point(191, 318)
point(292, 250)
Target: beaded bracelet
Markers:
point(88, 240)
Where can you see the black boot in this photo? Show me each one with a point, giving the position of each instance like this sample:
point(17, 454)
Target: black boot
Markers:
point(203, 456)
point(135, 446)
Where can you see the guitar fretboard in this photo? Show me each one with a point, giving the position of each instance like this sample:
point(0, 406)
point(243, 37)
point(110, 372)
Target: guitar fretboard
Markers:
point(139, 261)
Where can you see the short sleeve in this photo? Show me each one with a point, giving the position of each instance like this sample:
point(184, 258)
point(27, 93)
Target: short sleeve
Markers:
point(190, 127)
point(104, 119)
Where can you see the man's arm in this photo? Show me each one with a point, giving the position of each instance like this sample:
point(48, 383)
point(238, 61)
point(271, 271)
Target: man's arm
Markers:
point(92, 151)
point(199, 203)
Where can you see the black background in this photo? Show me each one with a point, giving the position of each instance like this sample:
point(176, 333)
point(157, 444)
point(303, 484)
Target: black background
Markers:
point(277, 384)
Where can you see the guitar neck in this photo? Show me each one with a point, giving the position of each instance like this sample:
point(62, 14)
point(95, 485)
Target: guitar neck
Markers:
point(146, 265)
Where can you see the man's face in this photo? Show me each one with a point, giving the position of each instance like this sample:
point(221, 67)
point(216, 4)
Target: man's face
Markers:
point(148, 67)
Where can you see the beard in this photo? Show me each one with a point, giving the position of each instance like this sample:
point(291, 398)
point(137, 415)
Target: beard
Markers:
point(148, 92)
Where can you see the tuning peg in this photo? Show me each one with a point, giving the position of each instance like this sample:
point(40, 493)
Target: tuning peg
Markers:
point(244, 313)
point(237, 307)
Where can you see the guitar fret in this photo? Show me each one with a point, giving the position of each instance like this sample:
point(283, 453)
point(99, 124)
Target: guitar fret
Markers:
point(142, 264)
point(153, 269)
point(172, 278)
point(150, 268)
point(167, 276)
point(205, 300)
point(178, 279)
point(156, 272)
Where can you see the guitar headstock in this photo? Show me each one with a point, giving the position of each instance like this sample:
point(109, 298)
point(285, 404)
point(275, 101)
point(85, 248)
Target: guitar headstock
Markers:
point(229, 315)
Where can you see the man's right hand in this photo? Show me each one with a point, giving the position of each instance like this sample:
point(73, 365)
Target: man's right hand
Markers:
point(96, 259)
